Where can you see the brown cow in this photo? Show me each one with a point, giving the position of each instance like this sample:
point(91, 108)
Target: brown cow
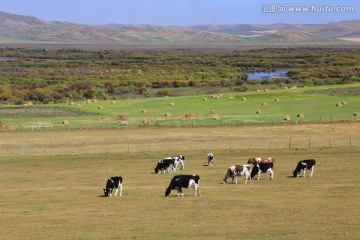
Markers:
point(261, 160)
point(237, 170)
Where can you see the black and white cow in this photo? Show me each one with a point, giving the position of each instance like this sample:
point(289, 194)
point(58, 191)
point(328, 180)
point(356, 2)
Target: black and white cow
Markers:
point(167, 164)
point(210, 159)
point(111, 183)
point(262, 168)
point(303, 166)
point(179, 161)
point(237, 170)
point(184, 181)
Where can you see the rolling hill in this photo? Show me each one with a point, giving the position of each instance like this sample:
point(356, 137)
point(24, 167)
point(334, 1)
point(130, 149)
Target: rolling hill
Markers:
point(16, 28)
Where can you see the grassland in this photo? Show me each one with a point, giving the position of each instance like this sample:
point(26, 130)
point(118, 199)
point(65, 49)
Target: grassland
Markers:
point(316, 103)
point(60, 197)
point(49, 194)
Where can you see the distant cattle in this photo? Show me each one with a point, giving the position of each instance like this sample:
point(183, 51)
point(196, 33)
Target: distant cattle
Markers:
point(262, 168)
point(210, 159)
point(261, 160)
point(237, 170)
point(111, 183)
point(164, 165)
point(184, 181)
point(303, 166)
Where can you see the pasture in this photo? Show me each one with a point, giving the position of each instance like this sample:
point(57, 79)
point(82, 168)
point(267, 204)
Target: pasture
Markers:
point(57, 196)
point(315, 103)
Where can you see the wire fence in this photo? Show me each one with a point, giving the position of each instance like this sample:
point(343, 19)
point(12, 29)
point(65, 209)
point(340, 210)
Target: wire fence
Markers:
point(180, 146)
point(174, 124)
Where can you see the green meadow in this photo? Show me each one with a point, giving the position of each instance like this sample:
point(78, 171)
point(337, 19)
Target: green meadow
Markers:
point(315, 103)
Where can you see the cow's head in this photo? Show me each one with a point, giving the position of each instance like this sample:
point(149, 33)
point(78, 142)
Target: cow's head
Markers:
point(107, 192)
point(167, 192)
point(251, 160)
point(156, 170)
point(295, 173)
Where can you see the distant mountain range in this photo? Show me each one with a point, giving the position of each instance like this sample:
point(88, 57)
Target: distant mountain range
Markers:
point(16, 28)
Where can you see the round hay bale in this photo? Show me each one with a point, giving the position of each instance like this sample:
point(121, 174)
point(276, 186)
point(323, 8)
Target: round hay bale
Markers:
point(95, 101)
point(263, 104)
point(339, 105)
point(356, 114)
point(287, 118)
point(189, 115)
point(265, 90)
point(101, 108)
point(300, 115)
point(258, 112)
point(172, 104)
point(257, 90)
point(89, 101)
point(122, 117)
point(25, 105)
point(77, 105)
point(215, 117)
point(66, 122)
point(286, 88)
point(30, 104)
point(71, 103)
point(343, 102)
point(244, 98)
point(220, 95)
point(212, 112)
point(293, 87)
point(168, 114)
point(145, 121)
point(277, 99)
point(231, 98)
point(213, 96)
point(113, 101)
point(205, 99)
point(143, 111)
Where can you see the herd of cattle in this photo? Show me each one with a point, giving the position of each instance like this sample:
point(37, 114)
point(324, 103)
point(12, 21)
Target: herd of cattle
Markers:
point(178, 182)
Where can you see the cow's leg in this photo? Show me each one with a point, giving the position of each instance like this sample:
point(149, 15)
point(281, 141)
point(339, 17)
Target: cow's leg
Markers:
point(259, 175)
point(271, 174)
point(304, 172)
point(116, 191)
point(197, 189)
point(312, 170)
point(120, 186)
point(235, 179)
point(247, 176)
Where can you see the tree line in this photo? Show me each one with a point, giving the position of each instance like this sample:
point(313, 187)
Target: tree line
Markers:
point(43, 75)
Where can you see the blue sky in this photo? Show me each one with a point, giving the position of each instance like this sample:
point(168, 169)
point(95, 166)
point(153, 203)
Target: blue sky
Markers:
point(183, 12)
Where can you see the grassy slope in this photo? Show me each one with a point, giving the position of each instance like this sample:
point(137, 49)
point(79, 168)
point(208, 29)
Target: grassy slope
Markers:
point(292, 102)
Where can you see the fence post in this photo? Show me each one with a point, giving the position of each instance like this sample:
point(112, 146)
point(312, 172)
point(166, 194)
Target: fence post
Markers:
point(309, 142)
point(350, 143)
point(289, 142)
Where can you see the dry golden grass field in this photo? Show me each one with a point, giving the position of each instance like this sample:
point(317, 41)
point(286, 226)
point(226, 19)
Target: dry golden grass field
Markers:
point(50, 194)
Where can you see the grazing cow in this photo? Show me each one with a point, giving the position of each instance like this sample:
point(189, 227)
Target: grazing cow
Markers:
point(179, 160)
point(210, 158)
point(113, 182)
point(305, 165)
point(237, 170)
point(261, 160)
point(262, 168)
point(184, 181)
point(166, 164)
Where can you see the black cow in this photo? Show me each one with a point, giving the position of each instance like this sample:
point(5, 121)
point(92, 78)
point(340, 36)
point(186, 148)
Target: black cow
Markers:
point(262, 168)
point(113, 182)
point(304, 165)
point(184, 181)
point(167, 164)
